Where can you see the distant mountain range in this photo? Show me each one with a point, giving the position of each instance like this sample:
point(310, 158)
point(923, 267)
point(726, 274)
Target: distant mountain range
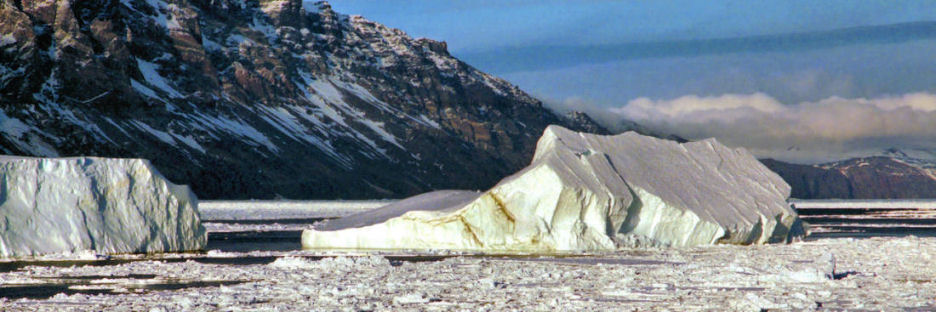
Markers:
point(258, 99)
point(892, 174)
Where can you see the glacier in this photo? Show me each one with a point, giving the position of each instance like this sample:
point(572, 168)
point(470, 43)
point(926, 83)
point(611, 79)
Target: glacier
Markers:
point(586, 192)
point(101, 205)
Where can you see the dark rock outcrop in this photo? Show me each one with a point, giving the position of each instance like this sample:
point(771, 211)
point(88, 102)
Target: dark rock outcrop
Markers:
point(257, 99)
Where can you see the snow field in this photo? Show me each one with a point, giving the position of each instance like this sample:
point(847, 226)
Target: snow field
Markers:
point(724, 278)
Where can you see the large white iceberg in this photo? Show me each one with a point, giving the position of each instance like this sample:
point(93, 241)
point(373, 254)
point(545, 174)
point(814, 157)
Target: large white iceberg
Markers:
point(585, 192)
point(68, 205)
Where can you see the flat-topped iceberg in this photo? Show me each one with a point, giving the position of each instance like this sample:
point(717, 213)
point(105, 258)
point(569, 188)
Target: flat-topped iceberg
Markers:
point(585, 192)
point(106, 206)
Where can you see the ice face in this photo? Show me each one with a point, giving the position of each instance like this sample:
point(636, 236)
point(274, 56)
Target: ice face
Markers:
point(68, 205)
point(587, 192)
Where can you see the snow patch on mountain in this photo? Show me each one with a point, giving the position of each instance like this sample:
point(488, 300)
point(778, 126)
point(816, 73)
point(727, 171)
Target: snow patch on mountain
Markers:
point(288, 121)
point(161, 135)
point(71, 115)
point(7, 73)
point(235, 40)
point(150, 72)
point(916, 156)
point(26, 137)
point(7, 39)
point(13, 126)
point(210, 45)
point(144, 90)
point(264, 28)
point(158, 7)
point(188, 140)
point(324, 93)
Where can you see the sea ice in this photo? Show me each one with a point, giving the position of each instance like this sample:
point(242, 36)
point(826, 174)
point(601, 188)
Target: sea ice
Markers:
point(68, 205)
point(585, 192)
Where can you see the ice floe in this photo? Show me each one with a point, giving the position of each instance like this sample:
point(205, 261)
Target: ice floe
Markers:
point(587, 192)
point(68, 205)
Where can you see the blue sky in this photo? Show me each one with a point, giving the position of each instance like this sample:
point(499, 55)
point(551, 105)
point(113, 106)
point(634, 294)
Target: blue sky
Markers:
point(472, 26)
point(687, 56)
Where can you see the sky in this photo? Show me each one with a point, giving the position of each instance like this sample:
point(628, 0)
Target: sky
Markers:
point(802, 81)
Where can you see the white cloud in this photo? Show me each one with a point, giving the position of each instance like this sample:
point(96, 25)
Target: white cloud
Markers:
point(722, 107)
point(808, 131)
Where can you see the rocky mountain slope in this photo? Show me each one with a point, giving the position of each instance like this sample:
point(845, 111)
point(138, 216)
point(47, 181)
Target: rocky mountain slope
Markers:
point(258, 99)
point(876, 177)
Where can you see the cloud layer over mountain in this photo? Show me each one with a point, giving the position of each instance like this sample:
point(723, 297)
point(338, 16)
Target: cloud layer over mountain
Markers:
point(807, 131)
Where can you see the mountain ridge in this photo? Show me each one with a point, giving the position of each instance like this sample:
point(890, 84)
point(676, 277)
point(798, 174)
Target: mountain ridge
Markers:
point(258, 99)
point(885, 176)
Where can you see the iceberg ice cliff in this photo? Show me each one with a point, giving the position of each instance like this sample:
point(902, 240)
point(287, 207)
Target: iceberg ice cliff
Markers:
point(585, 192)
point(67, 205)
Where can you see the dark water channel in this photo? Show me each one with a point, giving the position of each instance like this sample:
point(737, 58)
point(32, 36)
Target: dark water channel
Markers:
point(97, 285)
point(857, 222)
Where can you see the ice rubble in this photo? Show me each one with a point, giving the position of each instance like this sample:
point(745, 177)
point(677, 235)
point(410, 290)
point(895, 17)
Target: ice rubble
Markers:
point(585, 192)
point(68, 205)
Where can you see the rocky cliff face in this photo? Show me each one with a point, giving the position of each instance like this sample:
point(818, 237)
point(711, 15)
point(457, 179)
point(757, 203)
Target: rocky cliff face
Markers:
point(860, 178)
point(257, 99)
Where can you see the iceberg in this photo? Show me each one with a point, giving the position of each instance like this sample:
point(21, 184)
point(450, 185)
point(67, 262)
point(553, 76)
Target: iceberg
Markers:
point(586, 192)
point(101, 205)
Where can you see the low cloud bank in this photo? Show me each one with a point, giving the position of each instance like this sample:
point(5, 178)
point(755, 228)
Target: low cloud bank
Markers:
point(825, 130)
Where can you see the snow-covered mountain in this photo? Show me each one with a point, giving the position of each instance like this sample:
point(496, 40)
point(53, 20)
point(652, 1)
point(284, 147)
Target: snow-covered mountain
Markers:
point(255, 99)
point(918, 157)
point(892, 174)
